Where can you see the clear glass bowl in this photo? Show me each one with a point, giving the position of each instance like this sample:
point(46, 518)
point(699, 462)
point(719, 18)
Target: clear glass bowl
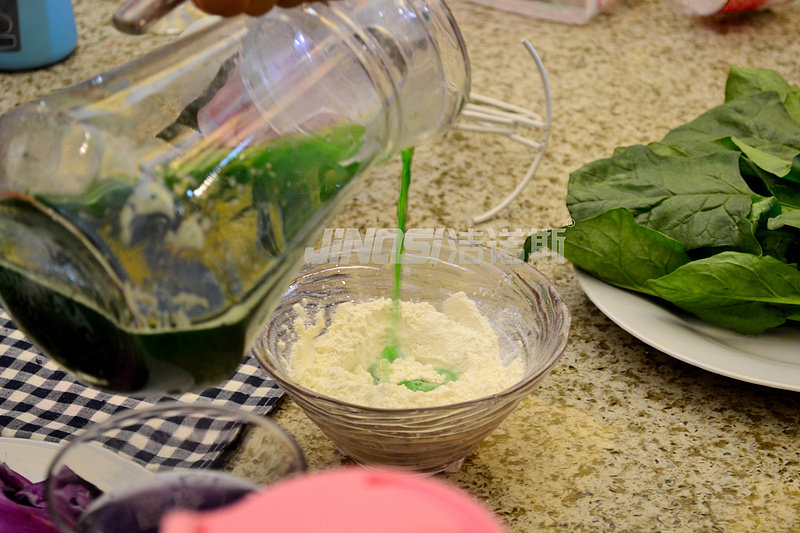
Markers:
point(143, 463)
point(531, 320)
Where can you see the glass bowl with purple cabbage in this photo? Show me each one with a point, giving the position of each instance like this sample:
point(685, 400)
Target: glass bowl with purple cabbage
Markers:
point(140, 464)
point(22, 501)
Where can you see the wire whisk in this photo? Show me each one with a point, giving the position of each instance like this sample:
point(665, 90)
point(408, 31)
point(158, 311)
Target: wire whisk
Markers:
point(488, 115)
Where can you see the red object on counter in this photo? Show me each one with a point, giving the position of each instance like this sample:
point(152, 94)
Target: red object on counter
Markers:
point(704, 8)
point(348, 500)
point(750, 5)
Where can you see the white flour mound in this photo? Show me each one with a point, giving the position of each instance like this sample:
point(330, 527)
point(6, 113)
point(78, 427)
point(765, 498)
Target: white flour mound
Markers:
point(335, 362)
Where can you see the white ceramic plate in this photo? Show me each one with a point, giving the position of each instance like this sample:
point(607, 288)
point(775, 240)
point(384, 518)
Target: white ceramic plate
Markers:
point(31, 458)
point(771, 359)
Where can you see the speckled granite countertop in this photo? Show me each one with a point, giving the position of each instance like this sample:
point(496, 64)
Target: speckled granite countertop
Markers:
point(620, 437)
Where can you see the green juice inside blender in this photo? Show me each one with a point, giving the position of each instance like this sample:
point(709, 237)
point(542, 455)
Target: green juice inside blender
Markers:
point(167, 300)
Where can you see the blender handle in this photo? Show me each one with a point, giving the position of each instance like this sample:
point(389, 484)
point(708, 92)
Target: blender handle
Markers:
point(136, 16)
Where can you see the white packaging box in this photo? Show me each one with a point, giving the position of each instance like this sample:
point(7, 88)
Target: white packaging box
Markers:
point(571, 11)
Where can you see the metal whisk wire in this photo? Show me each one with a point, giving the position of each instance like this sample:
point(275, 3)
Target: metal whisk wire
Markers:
point(489, 115)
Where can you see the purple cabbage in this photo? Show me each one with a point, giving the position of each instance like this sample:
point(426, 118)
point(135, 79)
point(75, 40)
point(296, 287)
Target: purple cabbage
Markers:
point(22, 504)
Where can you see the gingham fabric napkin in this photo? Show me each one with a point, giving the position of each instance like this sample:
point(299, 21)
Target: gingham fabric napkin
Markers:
point(40, 401)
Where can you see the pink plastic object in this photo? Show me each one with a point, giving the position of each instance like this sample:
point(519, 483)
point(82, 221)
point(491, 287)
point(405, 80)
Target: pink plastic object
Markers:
point(348, 500)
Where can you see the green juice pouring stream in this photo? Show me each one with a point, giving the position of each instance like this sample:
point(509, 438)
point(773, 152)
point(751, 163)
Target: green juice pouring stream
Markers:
point(393, 351)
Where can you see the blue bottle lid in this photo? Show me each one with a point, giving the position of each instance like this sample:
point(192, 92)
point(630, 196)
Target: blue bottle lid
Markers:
point(35, 33)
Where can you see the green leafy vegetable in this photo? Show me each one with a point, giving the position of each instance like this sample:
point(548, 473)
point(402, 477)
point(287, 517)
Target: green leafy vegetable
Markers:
point(758, 124)
point(613, 246)
point(701, 201)
point(708, 218)
point(745, 292)
point(747, 81)
point(789, 217)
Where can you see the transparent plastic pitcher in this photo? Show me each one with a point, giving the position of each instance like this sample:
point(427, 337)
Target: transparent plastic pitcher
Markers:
point(152, 216)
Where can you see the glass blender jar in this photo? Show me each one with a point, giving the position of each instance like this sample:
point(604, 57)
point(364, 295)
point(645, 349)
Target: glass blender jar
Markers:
point(152, 216)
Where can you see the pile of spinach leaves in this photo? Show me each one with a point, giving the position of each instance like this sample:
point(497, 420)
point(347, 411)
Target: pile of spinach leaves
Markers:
point(709, 217)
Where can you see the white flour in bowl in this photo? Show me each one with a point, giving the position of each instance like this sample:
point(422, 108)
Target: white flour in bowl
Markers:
point(335, 361)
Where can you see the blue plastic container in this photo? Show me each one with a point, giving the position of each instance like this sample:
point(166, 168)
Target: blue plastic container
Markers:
point(35, 33)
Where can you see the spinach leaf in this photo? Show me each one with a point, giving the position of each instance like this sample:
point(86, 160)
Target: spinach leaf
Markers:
point(744, 292)
point(747, 318)
point(789, 217)
point(762, 209)
point(757, 123)
point(701, 201)
point(708, 218)
point(614, 248)
point(779, 244)
point(744, 81)
point(785, 191)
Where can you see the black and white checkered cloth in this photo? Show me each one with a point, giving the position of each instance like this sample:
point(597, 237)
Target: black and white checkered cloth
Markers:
point(40, 401)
